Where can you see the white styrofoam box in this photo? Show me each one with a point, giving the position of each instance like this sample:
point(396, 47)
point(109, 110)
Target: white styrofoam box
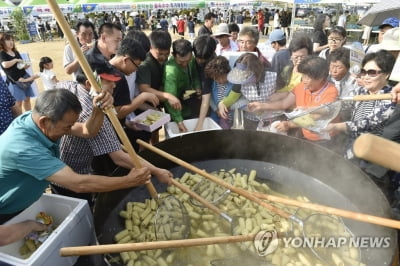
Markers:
point(75, 228)
point(172, 129)
point(164, 118)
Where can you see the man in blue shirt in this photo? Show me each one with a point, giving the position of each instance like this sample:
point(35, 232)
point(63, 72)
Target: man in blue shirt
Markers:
point(29, 152)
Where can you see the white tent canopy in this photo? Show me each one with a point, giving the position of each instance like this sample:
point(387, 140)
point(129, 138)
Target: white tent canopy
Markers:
point(381, 11)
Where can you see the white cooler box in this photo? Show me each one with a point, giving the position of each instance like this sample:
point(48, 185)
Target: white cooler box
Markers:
point(172, 129)
point(75, 228)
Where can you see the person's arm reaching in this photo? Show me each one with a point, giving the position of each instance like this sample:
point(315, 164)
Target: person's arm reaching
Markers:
point(396, 93)
point(67, 178)
point(136, 102)
point(162, 95)
point(71, 64)
point(205, 105)
point(123, 159)
point(170, 86)
point(283, 104)
point(10, 233)
point(94, 123)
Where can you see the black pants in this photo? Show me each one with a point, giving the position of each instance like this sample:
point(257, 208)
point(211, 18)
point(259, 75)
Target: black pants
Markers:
point(5, 217)
point(69, 193)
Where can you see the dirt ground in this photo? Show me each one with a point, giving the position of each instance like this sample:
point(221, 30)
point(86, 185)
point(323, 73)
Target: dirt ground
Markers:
point(53, 49)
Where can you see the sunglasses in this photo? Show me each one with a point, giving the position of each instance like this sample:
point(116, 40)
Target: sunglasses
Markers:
point(370, 72)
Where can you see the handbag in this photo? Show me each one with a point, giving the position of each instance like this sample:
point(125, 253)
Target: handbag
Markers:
point(23, 85)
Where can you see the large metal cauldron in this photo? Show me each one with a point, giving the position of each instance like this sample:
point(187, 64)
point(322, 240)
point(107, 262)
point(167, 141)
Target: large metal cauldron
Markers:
point(288, 164)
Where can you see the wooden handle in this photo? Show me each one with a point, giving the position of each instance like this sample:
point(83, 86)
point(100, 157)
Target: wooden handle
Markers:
point(378, 150)
point(334, 211)
point(89, 74)
point(117, 248)
point(371, 97)
point(219, 181)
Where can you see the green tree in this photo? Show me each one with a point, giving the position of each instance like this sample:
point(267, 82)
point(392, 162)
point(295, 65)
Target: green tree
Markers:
point(20, 24)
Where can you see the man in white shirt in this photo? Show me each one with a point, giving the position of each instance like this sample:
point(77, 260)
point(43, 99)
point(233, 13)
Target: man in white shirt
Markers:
point(85, 34)
point(343, 19)
point(277, 23)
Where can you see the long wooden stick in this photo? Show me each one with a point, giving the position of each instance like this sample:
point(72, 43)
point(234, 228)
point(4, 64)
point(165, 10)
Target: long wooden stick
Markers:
point(117, 248)
point(368, 97)
point(334, 211)
point(343, 213)
point(89, 74)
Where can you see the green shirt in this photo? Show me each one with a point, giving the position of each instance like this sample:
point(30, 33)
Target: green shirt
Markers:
point(177, 80)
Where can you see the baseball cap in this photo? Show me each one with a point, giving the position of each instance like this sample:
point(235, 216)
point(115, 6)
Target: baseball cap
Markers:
point(392, 22)
point(106, 71)
point(110, 76)
point(276, 35)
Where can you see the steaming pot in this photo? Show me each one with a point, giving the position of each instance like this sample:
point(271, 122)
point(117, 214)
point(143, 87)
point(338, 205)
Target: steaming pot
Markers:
point(289, 165)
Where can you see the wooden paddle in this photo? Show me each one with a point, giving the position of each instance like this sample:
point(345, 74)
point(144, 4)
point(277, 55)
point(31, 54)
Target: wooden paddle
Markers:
point(378, 150)
point(117, 248)
point(367, 97)
point(255, 197)
point(111, 113)
point(333, 211)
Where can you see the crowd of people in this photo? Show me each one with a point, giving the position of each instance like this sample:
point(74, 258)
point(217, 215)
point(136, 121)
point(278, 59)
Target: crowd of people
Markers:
point(66, 143)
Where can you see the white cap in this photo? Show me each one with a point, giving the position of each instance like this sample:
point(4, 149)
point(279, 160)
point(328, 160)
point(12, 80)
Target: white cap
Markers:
point(391, 40)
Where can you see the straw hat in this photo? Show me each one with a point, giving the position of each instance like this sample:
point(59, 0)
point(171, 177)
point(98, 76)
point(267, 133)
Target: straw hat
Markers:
point(222, 29)
point(391, 40)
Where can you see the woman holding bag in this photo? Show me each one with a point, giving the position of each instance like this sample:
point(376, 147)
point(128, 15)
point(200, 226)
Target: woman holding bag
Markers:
point(15, 69)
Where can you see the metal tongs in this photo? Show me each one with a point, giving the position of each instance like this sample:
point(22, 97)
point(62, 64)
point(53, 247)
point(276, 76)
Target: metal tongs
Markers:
point(238, 119)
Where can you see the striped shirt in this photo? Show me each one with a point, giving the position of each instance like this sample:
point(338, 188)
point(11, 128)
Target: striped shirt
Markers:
point(78, 152)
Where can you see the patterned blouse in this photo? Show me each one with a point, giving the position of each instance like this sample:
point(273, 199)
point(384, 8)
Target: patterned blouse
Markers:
point(368, 117)
point(6, 102)
point(259, 92)
point(78, 153)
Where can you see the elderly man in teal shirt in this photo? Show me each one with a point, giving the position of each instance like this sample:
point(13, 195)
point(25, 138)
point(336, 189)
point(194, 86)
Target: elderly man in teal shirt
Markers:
point(29, 153)
point(181, 75)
